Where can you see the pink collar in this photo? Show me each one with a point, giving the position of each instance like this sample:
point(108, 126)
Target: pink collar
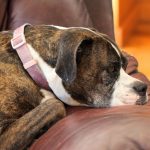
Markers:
point(20, 45)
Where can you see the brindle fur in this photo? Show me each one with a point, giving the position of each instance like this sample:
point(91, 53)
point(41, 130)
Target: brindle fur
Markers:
point(19, 94)
point(82, 59)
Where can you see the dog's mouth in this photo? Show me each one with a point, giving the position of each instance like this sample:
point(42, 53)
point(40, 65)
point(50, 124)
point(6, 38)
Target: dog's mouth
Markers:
point(132, 100)
point(142, 100)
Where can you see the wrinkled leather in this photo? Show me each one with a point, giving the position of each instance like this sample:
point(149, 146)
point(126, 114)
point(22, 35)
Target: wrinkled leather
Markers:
point(132, 63)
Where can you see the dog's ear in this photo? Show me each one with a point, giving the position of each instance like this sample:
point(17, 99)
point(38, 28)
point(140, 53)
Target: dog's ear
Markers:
point(66, 66)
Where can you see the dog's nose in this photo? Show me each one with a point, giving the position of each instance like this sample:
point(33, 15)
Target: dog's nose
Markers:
point(140, 88)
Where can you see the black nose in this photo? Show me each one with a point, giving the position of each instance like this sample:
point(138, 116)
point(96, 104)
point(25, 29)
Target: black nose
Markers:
point(140, 88)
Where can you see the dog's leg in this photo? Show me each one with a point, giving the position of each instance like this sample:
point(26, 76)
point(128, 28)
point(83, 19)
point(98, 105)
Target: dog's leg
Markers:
point(5, 121)
point(24, 130)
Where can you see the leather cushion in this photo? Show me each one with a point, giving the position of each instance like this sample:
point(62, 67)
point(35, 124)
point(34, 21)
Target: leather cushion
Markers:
point(64, 12)
point(113, 128)
point(97, 14)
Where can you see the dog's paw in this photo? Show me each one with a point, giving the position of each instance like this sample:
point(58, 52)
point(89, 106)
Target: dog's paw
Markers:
point(47, 95)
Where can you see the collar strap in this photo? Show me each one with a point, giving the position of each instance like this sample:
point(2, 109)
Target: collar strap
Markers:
point(19, 44)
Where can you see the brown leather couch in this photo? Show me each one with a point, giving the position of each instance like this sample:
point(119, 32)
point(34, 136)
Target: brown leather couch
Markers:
point(116, 128)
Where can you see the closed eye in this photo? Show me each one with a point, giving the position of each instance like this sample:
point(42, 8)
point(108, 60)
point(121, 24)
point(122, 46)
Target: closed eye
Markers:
point(114, 67)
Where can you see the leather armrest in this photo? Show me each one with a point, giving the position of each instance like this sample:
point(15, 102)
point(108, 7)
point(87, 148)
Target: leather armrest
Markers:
point(94, 129)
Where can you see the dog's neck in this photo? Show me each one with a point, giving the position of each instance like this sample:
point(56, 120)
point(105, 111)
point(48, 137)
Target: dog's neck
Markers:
point(44, 40)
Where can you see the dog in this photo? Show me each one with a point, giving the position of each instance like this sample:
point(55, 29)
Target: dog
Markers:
point(81, 66)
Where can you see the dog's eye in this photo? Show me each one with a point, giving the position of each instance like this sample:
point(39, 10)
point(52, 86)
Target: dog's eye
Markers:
point(111, 69)
point(114, 67)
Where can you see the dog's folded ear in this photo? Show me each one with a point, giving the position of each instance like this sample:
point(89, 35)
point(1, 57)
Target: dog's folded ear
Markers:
point(68, 45)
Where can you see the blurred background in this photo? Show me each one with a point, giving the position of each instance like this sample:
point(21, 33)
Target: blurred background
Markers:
point(132, 30)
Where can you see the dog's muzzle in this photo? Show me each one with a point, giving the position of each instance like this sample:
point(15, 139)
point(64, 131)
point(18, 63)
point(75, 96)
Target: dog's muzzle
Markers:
point(140, 89)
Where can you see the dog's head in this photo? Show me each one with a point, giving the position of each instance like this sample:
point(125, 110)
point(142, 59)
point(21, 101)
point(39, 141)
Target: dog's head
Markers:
point(92, 70)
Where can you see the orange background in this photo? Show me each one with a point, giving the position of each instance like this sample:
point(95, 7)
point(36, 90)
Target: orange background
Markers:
point(132, 30)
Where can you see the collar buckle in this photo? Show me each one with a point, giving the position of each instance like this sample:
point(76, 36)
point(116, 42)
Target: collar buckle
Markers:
point(18, 41)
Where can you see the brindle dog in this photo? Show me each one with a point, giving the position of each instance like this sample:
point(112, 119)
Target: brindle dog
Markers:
point(86, 62)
